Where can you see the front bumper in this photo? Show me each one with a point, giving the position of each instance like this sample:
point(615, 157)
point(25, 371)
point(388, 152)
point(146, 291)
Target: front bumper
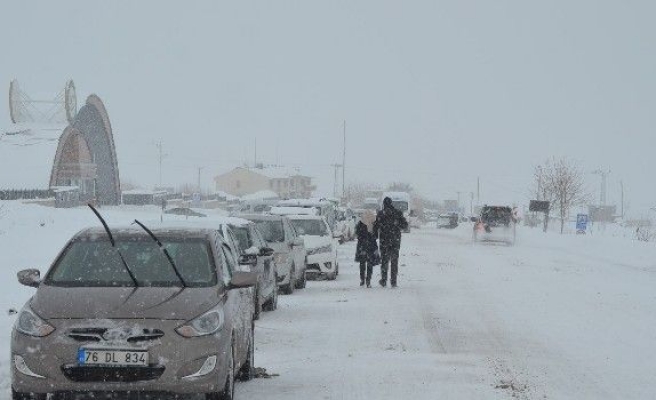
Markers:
point(172, 359)
point(320, 264)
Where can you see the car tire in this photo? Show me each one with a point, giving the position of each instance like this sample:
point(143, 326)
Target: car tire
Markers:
point(247, 370)
point(257, 307)
point(289, 287)
point(332, 277)
point(272, 303)
point(27, 396)
point(336, 269)
point(300, 283)
point(228, 391)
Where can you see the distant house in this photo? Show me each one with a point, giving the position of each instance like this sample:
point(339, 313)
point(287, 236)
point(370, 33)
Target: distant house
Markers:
point(285, 182)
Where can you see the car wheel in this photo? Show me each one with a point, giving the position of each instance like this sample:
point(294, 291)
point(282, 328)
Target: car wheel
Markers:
point(257, 307)
point(246, 370)
point(27, 396)
point(289, 287)
point(336, 269)
point(228, 392)
point(272, 303)
point(300, 283)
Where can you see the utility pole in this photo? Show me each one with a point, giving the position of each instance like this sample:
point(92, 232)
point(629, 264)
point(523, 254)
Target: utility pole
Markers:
point(344, 164)
point(604, 176)
point(478, 191)
point(337, 167)
point(199, 169)
point(471, 204)
point(255, 159)
point(458, 200)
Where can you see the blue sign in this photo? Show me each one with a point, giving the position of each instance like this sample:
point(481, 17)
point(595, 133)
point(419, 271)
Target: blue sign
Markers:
point(581, 223)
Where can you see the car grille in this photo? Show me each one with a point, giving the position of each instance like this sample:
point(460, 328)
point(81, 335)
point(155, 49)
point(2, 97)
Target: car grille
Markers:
point(96, 335)
point(97, 395)
point(111, 374)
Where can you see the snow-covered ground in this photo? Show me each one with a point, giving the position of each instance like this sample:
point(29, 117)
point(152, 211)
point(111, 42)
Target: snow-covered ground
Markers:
point(554, 317)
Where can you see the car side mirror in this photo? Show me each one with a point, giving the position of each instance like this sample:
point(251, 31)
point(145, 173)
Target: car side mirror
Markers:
point(473, 219)
point(29, 277)
point(266, 251)
point(248, 259)
point(242, 279)
point(337, 235)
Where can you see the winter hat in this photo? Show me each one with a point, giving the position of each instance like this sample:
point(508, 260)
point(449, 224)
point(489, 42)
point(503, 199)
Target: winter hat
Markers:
point(387, 202)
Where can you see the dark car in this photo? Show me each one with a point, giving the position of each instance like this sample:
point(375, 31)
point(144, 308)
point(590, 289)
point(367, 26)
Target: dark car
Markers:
point(119, 315)
point(256, 254)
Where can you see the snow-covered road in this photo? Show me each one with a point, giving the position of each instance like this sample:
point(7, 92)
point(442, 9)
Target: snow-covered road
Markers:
point(554, 317)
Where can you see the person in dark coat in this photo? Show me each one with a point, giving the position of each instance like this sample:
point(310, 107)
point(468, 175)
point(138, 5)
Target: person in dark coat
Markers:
point(389, 224)
point(366, 252)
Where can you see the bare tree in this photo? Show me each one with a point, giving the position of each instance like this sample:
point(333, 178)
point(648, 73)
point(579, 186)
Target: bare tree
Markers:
point(562, 183)
point(356, 192)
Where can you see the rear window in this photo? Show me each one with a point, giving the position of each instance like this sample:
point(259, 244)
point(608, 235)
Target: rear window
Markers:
point(98, 264)
point(272, 231)
point(312, 227)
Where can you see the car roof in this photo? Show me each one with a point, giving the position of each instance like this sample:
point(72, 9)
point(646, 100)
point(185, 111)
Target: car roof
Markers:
point(261, 217)
point(306, 217)
point(135, 231)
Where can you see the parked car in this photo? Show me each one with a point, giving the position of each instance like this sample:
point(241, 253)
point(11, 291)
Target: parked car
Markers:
point(345, 224)
point(259, 256)
point(447, 221)
point(289, 249)
point(117, 314)
point(320, 245)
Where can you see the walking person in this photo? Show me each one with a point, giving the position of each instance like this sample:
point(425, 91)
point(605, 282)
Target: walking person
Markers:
point(389, 224)
point(366, 252)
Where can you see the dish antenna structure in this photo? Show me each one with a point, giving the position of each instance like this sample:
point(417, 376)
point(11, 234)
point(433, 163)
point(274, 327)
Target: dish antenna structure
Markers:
point(59, 110)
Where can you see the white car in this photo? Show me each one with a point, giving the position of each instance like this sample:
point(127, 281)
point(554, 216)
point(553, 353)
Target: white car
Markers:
point(320, 245)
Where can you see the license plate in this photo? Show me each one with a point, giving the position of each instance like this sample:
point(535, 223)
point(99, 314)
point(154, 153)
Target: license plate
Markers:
point(119, 358)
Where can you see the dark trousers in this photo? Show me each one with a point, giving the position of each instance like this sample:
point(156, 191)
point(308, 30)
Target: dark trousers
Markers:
point(389, 255)
point(365, 265)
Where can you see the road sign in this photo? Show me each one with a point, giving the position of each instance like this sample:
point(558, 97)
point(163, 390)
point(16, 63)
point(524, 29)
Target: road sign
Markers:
point(581, 223)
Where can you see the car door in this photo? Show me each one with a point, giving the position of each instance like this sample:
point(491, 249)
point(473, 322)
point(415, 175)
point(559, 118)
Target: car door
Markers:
point(233, 312)
point(297, 249)
point(265, 264)
point(244, 306)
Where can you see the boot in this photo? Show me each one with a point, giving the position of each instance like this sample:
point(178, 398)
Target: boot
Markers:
point(361, 282)
point(368, 283)
point(382, 283)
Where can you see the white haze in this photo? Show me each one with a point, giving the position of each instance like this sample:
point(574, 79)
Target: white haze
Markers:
point(434, 93)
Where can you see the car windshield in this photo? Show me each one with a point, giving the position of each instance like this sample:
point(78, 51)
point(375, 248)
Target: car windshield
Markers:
point(271, 231)
point(243, 237)
point(312, 227)
point(96, 263)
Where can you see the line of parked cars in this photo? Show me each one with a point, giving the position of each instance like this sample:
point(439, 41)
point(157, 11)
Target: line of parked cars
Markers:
point(162, 308)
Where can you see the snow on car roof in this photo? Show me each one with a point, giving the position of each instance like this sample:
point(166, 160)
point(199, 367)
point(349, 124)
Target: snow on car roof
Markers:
point(305, 217)
point(292, 211)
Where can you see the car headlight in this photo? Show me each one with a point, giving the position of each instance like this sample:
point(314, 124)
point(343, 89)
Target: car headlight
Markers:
point(318, 250)
point(204, 325)
point(31, 324)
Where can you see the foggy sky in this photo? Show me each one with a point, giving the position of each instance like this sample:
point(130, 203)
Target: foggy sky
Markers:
point(434, 93)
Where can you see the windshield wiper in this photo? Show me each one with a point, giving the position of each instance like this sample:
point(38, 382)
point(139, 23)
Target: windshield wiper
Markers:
point(111, 240)
point(166, 252)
